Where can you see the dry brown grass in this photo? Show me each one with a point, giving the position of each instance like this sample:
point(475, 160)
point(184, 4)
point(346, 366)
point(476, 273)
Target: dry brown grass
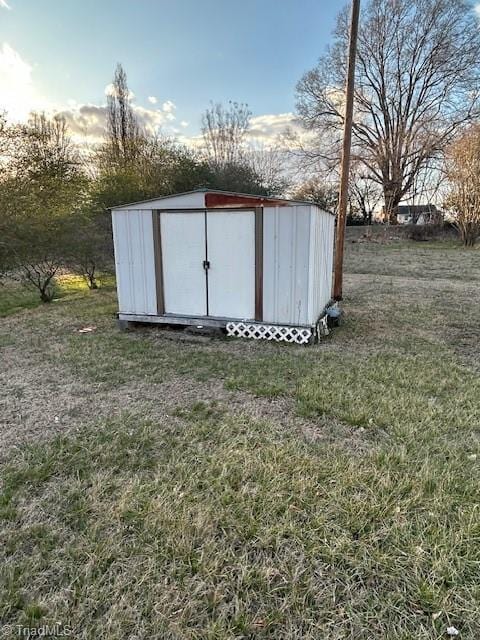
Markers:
point(192, 490)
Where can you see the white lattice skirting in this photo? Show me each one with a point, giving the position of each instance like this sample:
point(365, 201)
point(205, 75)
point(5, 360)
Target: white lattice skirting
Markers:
point(300, 335)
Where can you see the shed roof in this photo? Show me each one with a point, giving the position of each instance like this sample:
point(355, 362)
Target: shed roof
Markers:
point(216, 198)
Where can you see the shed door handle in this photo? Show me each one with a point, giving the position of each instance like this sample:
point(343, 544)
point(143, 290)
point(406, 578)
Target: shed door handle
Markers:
point(206, 264)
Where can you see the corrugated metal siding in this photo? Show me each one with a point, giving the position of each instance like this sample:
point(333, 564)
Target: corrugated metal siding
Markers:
point(297, 268)
point(231, 253)
point(134, 261)
point(184, 200)
point(321, 262)
point(183, 253)
point(286, 240)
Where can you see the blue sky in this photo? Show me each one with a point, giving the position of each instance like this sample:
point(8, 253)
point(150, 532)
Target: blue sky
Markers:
point(60, 54)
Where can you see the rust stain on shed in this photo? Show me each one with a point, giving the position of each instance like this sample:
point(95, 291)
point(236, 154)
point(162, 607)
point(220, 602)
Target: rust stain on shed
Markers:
point(213, 200)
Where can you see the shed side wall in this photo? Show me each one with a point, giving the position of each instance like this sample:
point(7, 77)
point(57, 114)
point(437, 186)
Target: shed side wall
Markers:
point(321, 262)
point(134, 261)
point(286, 239)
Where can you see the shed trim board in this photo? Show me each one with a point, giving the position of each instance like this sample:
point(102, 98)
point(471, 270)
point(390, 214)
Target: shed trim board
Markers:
point(207, 321)
point(211, 293)
point(206, 262)
point(259, 263)
point(157, 252)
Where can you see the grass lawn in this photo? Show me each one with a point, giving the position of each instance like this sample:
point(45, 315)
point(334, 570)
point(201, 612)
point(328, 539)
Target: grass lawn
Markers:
point(15, 298)
point(159, 486)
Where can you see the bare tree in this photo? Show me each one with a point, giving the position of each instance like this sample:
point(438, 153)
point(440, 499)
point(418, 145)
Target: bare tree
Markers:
point(364, 193)
point(234, 163)
point(91, 253)
point(417, 83)
point(463, 171)
point(321, 192)
point(429, 185)
point(269, 164)
point(224, 131)
point(123, 130)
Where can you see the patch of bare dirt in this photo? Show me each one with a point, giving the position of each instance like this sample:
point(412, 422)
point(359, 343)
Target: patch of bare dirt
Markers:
point(37, 402)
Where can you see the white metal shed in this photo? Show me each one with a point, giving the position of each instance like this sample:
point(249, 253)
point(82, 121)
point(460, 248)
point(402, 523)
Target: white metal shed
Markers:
point(262, 267)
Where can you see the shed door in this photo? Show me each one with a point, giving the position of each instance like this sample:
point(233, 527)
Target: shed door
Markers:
point(183, 253)
point(231, 254)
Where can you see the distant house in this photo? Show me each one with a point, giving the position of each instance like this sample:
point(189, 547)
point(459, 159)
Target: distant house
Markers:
point(416, 214)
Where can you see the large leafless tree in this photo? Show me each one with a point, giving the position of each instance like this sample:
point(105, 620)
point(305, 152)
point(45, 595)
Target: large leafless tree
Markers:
point(224, 130)
point(235, 163)
point(417, 83)
point(123, 131)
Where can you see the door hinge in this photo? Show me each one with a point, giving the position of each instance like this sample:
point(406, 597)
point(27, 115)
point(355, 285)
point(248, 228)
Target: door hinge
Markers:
point(206, 264)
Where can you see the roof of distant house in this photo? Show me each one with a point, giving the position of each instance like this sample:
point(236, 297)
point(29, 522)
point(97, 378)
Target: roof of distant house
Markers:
point(410, 209)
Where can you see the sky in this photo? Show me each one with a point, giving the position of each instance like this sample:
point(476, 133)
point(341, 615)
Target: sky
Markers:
point(60, 55)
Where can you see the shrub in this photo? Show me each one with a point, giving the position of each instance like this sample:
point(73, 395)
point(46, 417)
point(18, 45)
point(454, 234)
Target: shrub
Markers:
point(419, 232)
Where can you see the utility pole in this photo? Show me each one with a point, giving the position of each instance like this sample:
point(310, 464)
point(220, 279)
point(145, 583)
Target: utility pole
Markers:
point(347, 143)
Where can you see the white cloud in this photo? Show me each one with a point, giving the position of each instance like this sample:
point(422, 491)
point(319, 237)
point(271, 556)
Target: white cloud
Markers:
point(4, 4)
point(266, 132)
point(270, 124)
point(87, 122)
point(168, 109)
point(19, 96)
point(196, 142)
point(476, 8)
point(269, 129)
point(17, 91)
point(169, 106)
point(151, 119)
